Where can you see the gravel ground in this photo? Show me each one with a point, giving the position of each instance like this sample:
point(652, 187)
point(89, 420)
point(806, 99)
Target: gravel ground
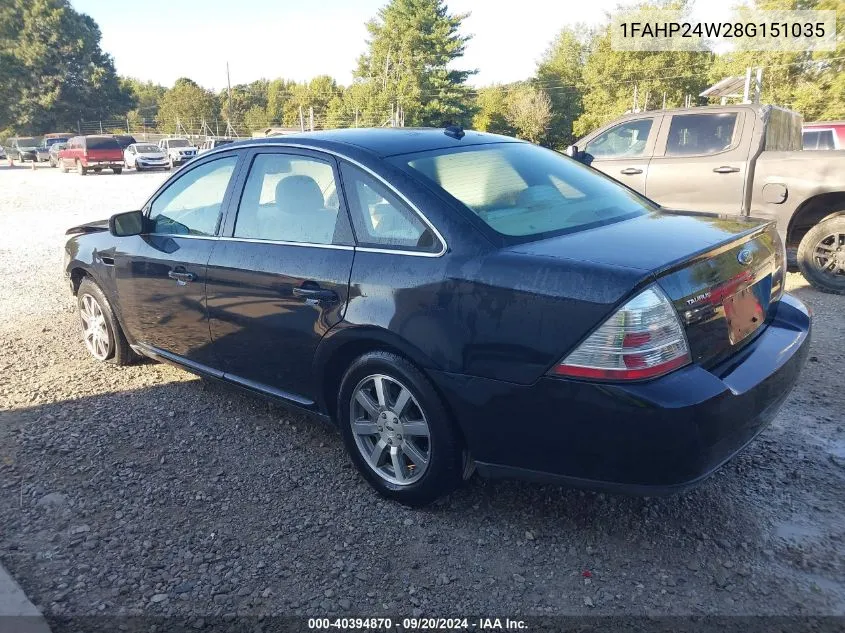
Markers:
point(143, 490)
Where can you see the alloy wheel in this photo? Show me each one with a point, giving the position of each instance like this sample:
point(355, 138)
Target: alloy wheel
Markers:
point(829, 254)
point(94, 329)
point(390, 429)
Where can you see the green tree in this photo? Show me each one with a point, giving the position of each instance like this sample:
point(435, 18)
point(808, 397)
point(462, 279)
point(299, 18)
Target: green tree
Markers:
point(810, 83)
point(146, 95)
point(491, 110)
point(256, 118)
point(412, 46)
point(611, 78)
point(52, 70)
point(529, 111)
point(559, 74)
point(187, 104)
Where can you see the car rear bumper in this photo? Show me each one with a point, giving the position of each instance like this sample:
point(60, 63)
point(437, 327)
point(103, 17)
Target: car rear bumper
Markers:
point(650, 438)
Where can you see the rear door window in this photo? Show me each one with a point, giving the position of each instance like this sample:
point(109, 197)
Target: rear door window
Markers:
point(291, 198)
point(701, 134)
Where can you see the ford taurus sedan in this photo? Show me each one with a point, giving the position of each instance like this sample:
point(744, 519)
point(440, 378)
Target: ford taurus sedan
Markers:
point(454, 300)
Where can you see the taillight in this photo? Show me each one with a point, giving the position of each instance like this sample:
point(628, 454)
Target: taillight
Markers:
point(643, 339)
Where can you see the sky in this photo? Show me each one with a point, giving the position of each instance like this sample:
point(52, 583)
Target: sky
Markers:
point(162, 40)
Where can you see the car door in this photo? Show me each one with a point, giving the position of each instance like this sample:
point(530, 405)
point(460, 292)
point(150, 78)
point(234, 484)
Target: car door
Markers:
point(624, 151)
point(279, 278)
point(161, 274)
point(701, 162)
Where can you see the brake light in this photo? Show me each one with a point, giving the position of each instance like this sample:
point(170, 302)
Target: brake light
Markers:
point(643, 339)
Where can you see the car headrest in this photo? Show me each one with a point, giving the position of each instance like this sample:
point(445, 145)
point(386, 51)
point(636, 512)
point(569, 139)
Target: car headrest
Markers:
point(298, 194)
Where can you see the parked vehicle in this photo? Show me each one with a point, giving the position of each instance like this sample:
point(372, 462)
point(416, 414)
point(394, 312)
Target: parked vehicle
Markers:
point(213, 143)
point(178, 150)
point(824, 135)
point(3, 154)
point(43, 152)
point(463, 298)
point(23, 148)
point(124, 140)
point(143, 156)
point(94, 152)
point(53, 156)
point(738, 160)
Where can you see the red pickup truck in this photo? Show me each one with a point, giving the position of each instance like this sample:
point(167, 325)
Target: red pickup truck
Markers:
point(91, 152)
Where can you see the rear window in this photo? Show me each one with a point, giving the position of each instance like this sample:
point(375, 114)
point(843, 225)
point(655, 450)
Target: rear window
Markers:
point(523, 192)
point(96, 142)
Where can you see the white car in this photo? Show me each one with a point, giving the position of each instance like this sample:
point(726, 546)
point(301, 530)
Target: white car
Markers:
point(178, 150)
point(143, 156)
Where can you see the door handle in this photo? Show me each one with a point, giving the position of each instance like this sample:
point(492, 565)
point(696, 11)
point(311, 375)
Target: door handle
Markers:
point(630, 171)
point(181, 277)
point(315, 294)
point(725, 169)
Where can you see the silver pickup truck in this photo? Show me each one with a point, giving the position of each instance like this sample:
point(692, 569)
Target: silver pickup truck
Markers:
point(740, 160)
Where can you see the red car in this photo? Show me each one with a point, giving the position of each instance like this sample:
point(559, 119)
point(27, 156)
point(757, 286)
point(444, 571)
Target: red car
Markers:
point(91, 152)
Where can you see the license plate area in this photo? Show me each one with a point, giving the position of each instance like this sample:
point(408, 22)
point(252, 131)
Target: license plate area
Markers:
point(745, 311)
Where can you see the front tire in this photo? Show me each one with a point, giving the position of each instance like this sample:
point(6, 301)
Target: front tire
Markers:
point(397, 430)
point(101, 332)
point(821, 255)
point(62, 167)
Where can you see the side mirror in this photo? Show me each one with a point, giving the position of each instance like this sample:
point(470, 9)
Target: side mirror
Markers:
point(126, 224)
point(571, 151)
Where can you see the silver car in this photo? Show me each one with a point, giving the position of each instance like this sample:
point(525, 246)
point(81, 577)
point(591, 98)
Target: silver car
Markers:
point(143, 156)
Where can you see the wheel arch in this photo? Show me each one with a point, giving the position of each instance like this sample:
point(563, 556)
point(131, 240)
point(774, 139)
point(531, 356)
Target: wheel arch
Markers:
point(811, 212)
point(340, 348)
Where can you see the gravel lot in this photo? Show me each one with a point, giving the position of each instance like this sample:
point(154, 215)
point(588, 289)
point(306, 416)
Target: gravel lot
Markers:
point(143, 490)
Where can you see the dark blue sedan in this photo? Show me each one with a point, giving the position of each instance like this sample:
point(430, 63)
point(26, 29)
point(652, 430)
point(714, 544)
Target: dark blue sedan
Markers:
point(454, 300)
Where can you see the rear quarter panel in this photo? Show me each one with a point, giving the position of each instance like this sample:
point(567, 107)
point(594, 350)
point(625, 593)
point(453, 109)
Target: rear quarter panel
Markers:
point(799, 176)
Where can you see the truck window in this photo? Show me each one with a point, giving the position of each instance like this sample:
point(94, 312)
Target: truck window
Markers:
point(625, 139)
point(819, 139)
point(696, 134)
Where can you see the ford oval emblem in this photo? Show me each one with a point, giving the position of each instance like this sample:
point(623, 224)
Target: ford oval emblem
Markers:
point(745, 257)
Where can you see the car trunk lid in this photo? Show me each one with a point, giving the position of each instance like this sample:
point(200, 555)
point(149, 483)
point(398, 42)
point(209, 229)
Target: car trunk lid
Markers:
point(722, 274)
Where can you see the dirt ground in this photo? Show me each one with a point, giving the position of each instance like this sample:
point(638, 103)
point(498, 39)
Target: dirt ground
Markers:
point(143, 490)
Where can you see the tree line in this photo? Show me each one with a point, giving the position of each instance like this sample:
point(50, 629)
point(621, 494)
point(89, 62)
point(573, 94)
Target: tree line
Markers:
point(53, 74)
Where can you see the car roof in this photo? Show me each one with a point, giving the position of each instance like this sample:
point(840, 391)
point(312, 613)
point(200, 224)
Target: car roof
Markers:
point(386, 141)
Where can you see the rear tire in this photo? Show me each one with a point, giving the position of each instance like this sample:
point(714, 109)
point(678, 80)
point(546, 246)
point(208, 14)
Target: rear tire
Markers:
point(403, 430)
point(116, 170)
point(821, 255)
point(92, 302)
point(80, 168)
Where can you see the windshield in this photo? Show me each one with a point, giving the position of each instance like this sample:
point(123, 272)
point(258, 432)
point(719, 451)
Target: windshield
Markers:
point(28, 141)
point(178, 142)
point(147, 149)
point(223, 141)
point(52, 141)
point(523, 191)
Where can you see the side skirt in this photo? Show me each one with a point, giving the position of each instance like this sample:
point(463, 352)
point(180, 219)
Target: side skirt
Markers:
point(291, 401)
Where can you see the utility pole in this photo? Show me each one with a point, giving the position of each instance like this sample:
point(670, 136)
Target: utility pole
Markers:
point(229, 91)
point(301, 120)
point(356, 117)
point(664, 99)
point(311, 117)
